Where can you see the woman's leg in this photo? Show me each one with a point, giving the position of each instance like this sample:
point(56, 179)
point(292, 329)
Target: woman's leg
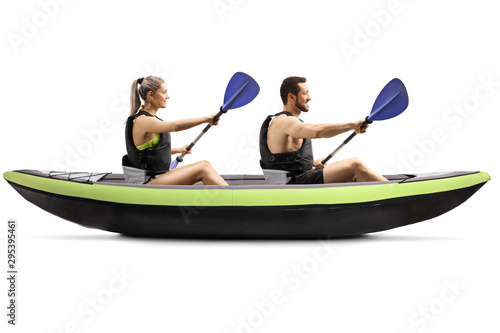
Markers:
point(349, 169)
point(190, 174)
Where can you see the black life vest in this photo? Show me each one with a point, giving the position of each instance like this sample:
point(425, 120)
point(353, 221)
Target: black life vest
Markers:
point(155, 160)
point(295, 162)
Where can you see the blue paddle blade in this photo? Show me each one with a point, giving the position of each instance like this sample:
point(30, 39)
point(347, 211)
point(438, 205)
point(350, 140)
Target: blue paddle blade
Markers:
point(240, 91)
point(173, 165)
point(391, 101)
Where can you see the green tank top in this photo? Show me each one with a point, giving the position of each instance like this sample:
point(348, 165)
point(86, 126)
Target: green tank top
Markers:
point(151, 144)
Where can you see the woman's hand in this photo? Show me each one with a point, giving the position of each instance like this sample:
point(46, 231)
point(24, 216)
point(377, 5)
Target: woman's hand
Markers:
point(182, 150)
point(211, 119)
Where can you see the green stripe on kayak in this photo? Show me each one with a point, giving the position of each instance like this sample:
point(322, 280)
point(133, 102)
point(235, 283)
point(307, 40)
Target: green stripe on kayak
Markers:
point(244, 197)
point(123, 194)
point(354, 194)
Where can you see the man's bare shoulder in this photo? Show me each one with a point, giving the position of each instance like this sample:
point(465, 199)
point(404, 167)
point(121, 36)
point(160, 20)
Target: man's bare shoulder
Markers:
point(284, 120)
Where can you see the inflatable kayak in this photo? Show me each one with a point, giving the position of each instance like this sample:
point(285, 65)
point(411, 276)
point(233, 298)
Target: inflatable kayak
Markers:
point(248, 208)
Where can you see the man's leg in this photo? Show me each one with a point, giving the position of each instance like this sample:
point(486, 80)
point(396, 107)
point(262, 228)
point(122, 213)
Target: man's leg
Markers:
point(349, 169)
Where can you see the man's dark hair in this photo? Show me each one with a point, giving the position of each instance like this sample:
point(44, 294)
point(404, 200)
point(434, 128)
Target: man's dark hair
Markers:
point(290, 85)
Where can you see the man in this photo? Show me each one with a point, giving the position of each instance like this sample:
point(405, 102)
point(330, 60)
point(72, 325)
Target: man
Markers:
point(285, 143)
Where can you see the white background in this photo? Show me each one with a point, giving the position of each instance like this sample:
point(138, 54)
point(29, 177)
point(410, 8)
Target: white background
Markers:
point(72, 69)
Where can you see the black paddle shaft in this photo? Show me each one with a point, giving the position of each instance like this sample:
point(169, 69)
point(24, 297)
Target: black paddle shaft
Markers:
point(217, 116)
point(346, 141)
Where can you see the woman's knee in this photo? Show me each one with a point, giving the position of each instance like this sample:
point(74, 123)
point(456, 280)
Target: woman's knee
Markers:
point(205, 166)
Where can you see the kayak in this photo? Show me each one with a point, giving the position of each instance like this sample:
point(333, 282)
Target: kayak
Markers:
point(246, 209)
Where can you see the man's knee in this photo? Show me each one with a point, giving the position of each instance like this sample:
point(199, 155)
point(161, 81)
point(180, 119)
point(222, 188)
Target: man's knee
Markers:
point(356, 163)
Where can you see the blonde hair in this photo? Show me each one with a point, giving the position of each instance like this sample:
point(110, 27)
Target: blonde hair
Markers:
point(150, 83)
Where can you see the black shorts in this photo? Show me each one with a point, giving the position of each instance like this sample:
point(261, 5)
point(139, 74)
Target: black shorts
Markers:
point(313, 176)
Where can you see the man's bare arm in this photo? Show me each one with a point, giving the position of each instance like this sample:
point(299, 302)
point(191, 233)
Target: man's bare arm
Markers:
point(299, 130)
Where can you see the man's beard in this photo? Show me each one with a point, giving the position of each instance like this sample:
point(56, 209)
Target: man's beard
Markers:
point(301, 107)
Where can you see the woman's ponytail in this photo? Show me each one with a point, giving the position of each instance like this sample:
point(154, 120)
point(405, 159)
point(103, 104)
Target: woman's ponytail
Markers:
point(135, 99)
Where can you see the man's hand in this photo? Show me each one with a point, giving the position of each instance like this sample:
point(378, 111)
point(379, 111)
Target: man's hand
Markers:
point(317, 163)
point(358, 124)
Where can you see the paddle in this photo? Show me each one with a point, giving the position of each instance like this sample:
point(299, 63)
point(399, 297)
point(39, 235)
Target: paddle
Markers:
point(240, 91)
point(391, 101)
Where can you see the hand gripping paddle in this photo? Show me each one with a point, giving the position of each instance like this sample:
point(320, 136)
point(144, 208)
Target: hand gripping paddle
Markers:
point(240, 91)
point(391, 102)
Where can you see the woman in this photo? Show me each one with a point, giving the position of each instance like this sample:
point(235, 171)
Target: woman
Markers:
point(148, 138)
